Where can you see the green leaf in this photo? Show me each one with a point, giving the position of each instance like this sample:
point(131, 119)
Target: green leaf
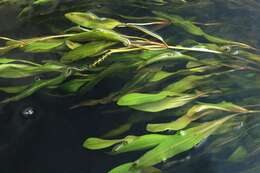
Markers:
point(74, 85)
point(189, 27)
point(141, 98)
point(42, 46)
point(72, 45)
point(140, 143)
point(6, 49)
point(166, 103)
point(148, 32)
point(129, 143)
point(16, 70)
point(130, 168)
point(97, 143)
point(35, 87)
point(179, 143)
point(125, 168)
point(86, 50)
point(9, 60)
point(119, 130)
point(238, 155)
point(193, 114)
point(248, 55)
point(169, 56)
point(13, 89)
point(99, 35)
point(185, 84)
point(25, 70)
point(160, 75)
point(90, 20)
point(116, 68)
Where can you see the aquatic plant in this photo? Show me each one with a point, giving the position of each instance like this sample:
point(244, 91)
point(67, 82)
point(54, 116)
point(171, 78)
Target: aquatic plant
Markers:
point(162, 80)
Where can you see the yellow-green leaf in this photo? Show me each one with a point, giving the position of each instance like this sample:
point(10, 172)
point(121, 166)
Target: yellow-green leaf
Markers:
point(90, 20)
point(86, 50)
point(193, 114)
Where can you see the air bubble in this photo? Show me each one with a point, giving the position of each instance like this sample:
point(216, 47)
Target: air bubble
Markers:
point(28, 113)
point(37, 78)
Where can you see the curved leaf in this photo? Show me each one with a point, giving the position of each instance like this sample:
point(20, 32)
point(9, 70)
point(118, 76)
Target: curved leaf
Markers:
point(90, 20)
point(166, 103)
point(179, 143)
point(141, 98)
point(99, 35)
point(85, 51)
point(193, 114)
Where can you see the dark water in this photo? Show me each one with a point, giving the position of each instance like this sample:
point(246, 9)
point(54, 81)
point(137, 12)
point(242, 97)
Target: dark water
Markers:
point(51, 139)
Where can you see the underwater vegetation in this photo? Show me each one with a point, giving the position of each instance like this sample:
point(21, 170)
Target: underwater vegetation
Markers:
point(179, 85)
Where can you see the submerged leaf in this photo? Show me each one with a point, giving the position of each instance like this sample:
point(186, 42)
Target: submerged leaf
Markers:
point(13, 89)
point(166, 103)
point(238, 155)
point(140, 143)
point(141, 98)
point(97, 143)
point(11, 70)
point(193, 114)
point(169, 56)
point(42, 46)
point(35, 87)
point(90, 20)
point(99, 35)
point(179, 143)
point(185, 84)
point(125, 168)
point(189, 27)
point(160, 75)
point(86, 50)
point(74, 85)
point(148, 32)
point(130, 168)
point(129, 143)
point(72, 45)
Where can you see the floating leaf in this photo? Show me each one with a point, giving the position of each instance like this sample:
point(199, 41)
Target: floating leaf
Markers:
point(193, 114)
point(86, 50)
point(90, 20)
